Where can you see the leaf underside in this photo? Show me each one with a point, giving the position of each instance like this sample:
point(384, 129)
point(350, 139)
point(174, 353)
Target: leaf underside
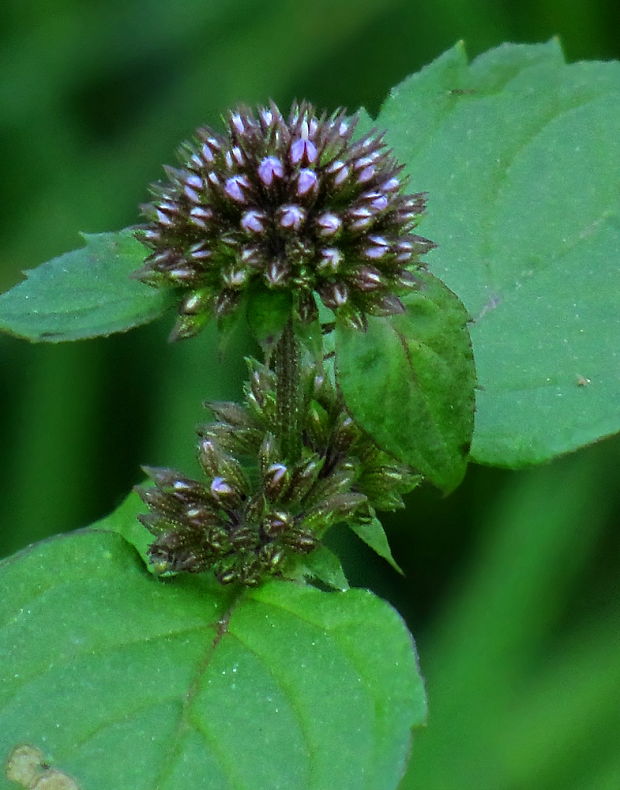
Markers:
point(520, 155)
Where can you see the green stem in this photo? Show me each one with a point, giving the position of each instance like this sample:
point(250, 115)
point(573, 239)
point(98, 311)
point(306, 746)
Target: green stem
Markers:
point(289, 394)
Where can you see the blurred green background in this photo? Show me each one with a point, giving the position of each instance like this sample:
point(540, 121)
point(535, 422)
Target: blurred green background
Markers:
point(511, 586)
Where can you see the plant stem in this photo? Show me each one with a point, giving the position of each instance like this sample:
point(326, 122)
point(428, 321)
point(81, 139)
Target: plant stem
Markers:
point(289, 395)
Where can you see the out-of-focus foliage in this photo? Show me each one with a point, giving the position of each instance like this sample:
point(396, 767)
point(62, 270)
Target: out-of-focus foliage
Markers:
point(511, 584)
point(523, 661)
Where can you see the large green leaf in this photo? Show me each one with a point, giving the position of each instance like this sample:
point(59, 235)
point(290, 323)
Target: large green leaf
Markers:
point(409, 381)
point(124, 681)
point(84, 293)
point(520, 154)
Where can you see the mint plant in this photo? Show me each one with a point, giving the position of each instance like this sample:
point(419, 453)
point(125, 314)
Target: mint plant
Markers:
point(203, 634)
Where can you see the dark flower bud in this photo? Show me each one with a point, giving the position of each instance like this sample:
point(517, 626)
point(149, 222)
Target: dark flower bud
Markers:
point(268, 453)
point(387, 304)
point(275, 481)
point(255, 510)
point(276, 523)
point(229, 412)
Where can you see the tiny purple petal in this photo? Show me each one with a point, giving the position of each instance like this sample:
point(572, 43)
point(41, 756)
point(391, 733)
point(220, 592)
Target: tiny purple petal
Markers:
point(391, 185)
point(194, 512)
point(360, 212)
point(201, 212)
point(199, 252)
point(191, 194)
point(367, 278)
point(302, 150)
point(380, 240)
point(363, 162)
point(235, 277)
point(306, 181)
point(366, 174)
point(253, 221)
point(335, 166)
point(207, 153)
point(374, 253)
point(292, 217)
point(341, 176)
point(237, 121)
point(237, 155)
point(181, 275)
point(276, 273)
point(379, 203)
point(197, 220)
point(330, 258)
point(234, 188)
point(219, 486)
point(276, 472)
point(249, 255)
point(361, 224)
point(340, 295)
point(163, 218)
point(194, 180)
point(271, 167)
point(329, 224)
point(334, 295)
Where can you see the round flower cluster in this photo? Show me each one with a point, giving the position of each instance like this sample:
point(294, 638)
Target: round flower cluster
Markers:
point(293, 203)
point(248, 519)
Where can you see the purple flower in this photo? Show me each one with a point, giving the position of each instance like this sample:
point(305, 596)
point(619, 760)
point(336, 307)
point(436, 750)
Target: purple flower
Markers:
point(244, 525)
point(235, 188)
point(271, 167)
point(307, 181)
point(291, 217)
point(261, 201)
point(253, 221)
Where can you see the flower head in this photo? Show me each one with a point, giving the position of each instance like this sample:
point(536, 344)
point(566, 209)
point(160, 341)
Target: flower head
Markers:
point(294, 203)
point(245, 521)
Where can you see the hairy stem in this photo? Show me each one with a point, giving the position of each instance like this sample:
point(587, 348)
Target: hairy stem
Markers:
point(289, 395)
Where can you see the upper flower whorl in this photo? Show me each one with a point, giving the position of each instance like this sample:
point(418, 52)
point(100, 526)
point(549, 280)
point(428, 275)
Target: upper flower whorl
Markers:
point(296, 203)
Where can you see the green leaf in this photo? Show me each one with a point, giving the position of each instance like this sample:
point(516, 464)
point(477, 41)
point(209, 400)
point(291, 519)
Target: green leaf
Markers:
point(124, 681)
point(324, 566)
point(82, 294)
point(124, 521)
point(373, 535)
point(408, 381)
point(268, 312)
point(520, 155)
